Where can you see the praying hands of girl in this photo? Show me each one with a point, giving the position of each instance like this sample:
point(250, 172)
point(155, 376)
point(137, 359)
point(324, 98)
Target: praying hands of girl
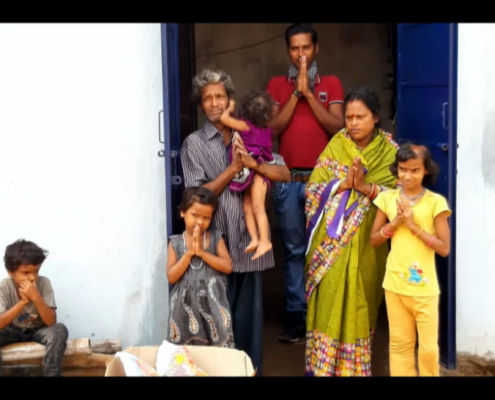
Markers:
point(407, 217)
point(198, 242)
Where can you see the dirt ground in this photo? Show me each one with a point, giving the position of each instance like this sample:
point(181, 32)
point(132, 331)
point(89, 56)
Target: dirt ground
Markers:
point(471, 366)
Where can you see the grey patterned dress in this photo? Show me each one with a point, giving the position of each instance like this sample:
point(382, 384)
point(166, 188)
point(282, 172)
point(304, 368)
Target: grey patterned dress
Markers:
point(199, 309)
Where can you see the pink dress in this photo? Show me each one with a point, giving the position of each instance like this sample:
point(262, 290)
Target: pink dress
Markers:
point(258, 143)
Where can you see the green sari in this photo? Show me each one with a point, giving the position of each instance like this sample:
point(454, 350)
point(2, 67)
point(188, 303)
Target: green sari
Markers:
point(343, 272)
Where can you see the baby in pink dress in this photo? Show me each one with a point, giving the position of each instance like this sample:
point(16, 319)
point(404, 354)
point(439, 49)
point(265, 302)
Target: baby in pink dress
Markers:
point(258, 141)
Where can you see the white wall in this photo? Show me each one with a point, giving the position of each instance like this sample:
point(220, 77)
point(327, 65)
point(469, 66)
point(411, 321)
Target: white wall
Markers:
point(476, 191)
point(79, 171)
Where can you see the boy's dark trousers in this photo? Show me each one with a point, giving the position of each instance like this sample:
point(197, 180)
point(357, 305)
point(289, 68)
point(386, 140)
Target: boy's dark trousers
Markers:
point(53, 337)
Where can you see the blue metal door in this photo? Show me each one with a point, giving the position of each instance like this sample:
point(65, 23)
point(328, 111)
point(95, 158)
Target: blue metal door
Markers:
point(170, 117)
point(426, 114)
point(171, 126)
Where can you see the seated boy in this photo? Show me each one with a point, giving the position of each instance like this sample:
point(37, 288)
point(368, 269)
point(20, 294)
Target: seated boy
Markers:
point(27, 306)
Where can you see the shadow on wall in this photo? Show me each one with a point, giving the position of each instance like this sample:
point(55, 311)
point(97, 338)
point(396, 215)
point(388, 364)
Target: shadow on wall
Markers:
point(357, 53)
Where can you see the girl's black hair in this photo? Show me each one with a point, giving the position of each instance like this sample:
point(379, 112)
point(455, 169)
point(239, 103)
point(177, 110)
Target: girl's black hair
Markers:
point(369, 97)
point(410, 151)
point(198, 195)
point(23, 252)
point(257, 107)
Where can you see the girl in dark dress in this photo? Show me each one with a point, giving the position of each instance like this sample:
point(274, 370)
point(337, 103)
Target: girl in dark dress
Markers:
point(198, 261)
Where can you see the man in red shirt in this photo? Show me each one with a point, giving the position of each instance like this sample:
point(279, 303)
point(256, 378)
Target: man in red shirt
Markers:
point(309, 111)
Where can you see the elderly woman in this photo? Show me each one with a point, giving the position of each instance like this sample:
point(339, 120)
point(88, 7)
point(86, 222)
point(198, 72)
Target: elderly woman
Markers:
point(343, 272)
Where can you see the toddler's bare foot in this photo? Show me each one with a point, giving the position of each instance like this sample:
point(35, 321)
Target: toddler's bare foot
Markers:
point(262, 249)
point(252, 246)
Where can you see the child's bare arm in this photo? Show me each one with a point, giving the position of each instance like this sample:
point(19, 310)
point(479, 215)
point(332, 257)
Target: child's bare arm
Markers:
point(222, 262)
point(381, 221)
point(175, 269)
point(231, 122)
point(8, 316)
point(48, 315)
point(380, 225)
point(441, 244)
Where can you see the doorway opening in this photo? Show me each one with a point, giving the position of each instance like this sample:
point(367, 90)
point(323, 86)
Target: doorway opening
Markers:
point(358, 54)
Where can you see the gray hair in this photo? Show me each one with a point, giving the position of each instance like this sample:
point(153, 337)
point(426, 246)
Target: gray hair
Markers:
point(209, 76)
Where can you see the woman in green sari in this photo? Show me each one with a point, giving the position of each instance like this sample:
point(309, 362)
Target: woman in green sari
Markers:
point(343, 272)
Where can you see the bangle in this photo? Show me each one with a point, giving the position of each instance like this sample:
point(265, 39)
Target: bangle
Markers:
point(372, 192)
point(432, 239)
point(387, 234)
point(420, 230)
point(375, 192)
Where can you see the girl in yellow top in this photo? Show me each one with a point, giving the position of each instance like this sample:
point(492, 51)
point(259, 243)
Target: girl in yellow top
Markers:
point(416, 221)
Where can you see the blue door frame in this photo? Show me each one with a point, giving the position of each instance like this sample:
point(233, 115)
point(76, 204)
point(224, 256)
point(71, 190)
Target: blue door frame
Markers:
point(427, 114)
point(171, 122)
